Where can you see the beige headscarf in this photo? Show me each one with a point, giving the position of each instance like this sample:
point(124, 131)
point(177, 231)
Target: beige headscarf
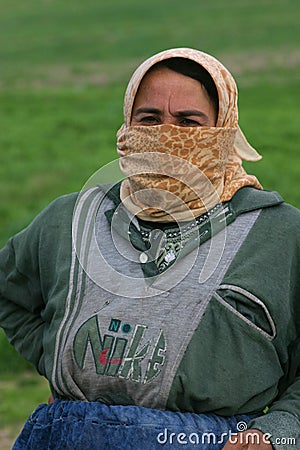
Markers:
point(193, 168)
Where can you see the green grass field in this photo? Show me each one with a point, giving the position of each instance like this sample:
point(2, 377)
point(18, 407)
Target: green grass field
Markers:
point(63, 71)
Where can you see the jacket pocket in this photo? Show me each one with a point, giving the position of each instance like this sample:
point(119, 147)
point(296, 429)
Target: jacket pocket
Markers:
point(248, 308)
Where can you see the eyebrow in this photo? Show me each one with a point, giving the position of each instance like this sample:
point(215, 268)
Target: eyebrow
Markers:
point(191, 112)
point(146, 110)
point(184, 113)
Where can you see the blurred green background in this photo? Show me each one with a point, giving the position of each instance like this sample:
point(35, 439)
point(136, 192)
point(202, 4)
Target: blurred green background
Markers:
point(64, 66)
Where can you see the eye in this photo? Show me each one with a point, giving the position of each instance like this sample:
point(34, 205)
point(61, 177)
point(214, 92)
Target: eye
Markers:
point(189, 123)
point(149, 120)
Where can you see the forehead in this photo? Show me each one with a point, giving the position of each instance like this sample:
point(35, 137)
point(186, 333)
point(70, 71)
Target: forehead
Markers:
point(163, 83)
point(156, 77)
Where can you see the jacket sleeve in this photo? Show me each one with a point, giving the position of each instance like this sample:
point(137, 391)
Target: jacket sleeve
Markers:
point(282, 427)
point(282, 421)
point(21, 298)
point(29, 264)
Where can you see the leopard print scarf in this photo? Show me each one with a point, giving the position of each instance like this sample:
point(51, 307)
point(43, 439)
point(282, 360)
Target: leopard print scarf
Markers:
point(178, 173)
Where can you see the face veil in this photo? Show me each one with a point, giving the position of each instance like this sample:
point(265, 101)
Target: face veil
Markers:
point(176, 173)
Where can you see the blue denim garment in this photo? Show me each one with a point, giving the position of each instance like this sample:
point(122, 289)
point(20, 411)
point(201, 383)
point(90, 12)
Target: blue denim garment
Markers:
point(78, 425)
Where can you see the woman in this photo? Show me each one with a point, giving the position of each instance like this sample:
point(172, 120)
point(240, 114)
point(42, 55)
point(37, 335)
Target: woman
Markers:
point(163, 310)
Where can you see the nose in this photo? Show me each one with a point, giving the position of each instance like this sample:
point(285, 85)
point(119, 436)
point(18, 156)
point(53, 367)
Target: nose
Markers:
point(169, 119)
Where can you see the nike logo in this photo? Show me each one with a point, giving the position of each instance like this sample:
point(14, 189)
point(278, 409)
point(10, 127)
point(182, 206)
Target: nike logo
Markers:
point(104, 360)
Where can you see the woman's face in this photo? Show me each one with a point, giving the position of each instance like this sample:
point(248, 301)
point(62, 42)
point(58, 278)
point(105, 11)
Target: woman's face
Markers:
point(168, 97)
